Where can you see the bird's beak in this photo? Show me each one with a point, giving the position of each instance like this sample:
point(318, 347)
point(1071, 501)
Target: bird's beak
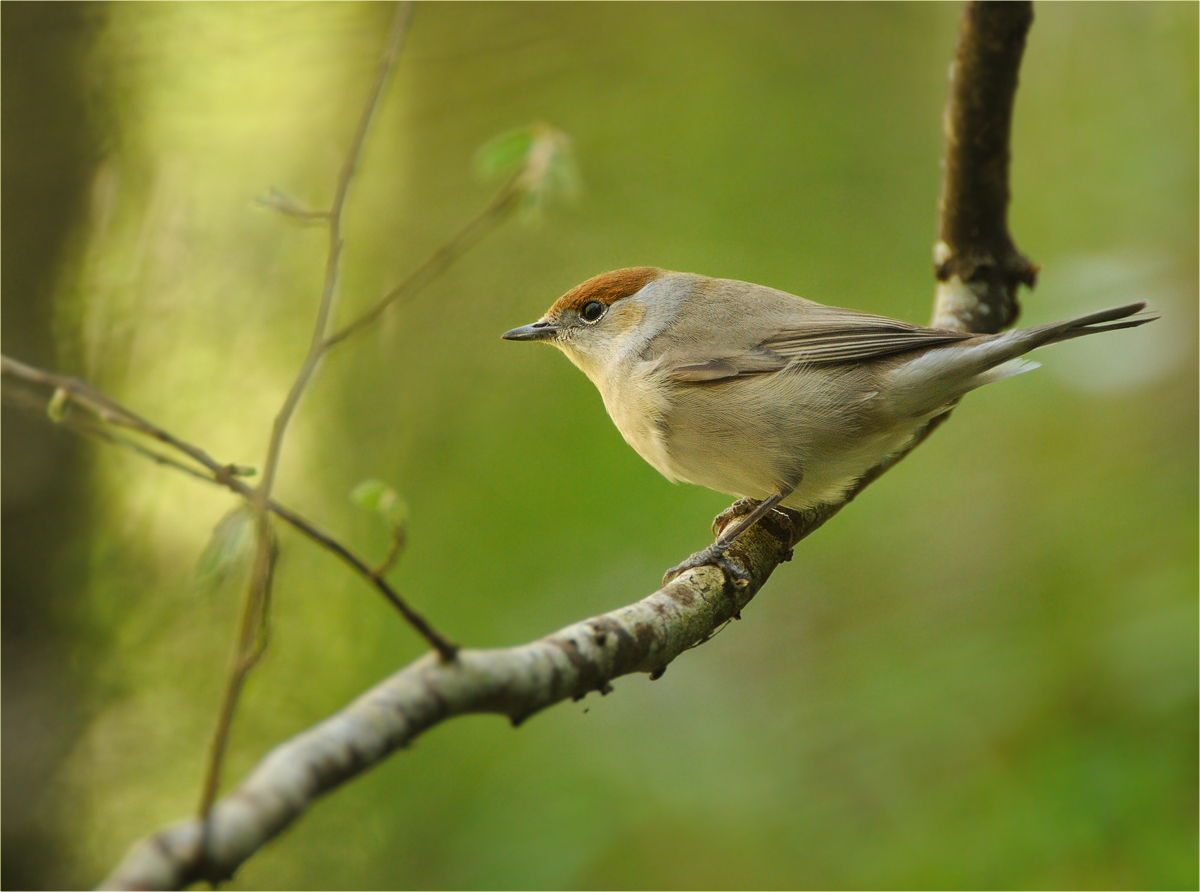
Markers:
point(538, 331)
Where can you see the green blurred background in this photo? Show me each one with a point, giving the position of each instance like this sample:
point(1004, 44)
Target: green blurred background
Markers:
point(983, 674)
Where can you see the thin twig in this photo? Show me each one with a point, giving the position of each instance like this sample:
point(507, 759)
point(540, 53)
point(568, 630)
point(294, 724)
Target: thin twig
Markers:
point(318, 345)
point(479, 226)
point(35, 402)
point(258, 590)
point(399, 541)
point(446, 649)
point(109, 410)
point(245, 654)
point(95, 430)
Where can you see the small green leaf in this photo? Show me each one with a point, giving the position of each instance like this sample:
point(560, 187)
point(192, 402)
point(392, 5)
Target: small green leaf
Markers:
point(377, 496)
point(57, 408)
point(539, 158)
point(504, 154)
point(228, 545)
point(282, 203)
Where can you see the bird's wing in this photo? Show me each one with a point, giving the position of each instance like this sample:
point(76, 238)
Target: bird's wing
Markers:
point(823, 336)
point(846, 336)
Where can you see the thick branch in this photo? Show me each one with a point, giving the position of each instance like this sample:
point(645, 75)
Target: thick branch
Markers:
point(977, 265)
point(516, 683)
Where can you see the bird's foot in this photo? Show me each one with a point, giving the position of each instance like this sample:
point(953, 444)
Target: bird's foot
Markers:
point(738, 509)
point(713, 556)
point(781, 522)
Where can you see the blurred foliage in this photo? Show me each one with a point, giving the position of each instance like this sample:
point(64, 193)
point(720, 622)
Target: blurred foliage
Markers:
point(982, 674)
point(231, 544)
point(377, 497)
point(543, 159)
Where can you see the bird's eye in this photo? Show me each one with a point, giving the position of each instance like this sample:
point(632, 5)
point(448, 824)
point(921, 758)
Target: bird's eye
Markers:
point(591, 311)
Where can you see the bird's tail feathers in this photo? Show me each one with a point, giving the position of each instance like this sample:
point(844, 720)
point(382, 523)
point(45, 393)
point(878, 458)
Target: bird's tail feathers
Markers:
point(1006, 370)
point(1094, 322)
point(959, 368)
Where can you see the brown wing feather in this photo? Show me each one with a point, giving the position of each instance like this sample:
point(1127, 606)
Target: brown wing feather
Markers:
point(841, 336)
point(854, 339)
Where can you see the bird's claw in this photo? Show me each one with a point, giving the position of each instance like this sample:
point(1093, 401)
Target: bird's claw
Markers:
point(713, 556)
point(781, 522)
point(740, 508)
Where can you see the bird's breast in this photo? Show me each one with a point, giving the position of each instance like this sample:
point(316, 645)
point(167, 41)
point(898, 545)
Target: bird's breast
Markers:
point(636, 399)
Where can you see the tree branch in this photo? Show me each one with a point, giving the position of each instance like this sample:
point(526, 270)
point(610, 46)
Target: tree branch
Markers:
point(249, 643)
point(978, 269)
point(977, 265)
point(71, 391)
point(515, 682)
point(318, 345)
point(496, 211)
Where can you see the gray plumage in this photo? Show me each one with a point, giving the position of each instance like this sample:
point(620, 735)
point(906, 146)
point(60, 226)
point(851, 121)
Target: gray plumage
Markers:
point(755, 392)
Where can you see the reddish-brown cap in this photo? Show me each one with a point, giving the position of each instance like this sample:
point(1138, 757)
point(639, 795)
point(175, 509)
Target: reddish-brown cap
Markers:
point(608, 287)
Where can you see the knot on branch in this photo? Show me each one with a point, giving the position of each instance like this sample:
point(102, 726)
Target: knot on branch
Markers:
point(977, 288)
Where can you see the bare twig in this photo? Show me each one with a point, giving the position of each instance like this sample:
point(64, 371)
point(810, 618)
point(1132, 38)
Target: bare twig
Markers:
point(35, 402)
point(977, 265)
point(110, 411)
point(445, 647)
point(317, 345)
point(484, 222)
point(246, 650)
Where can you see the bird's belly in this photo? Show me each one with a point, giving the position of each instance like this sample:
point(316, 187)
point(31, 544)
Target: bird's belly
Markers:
point(742, 465)
point(828, 477)
point(821, 444)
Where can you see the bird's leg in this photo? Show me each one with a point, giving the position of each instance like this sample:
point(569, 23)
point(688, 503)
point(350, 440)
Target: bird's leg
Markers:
point(740, 508)
point(715, 553)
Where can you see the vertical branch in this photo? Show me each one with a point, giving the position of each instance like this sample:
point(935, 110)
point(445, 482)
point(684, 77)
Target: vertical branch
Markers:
point(977, 265)
point(318, 344)
point(248, 646)
point(247, 649)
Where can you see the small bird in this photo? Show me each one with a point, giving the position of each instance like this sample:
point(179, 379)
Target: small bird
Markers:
point(757, 393)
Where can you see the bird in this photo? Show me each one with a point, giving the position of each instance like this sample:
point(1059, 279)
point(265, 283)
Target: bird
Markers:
point(757, 393)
